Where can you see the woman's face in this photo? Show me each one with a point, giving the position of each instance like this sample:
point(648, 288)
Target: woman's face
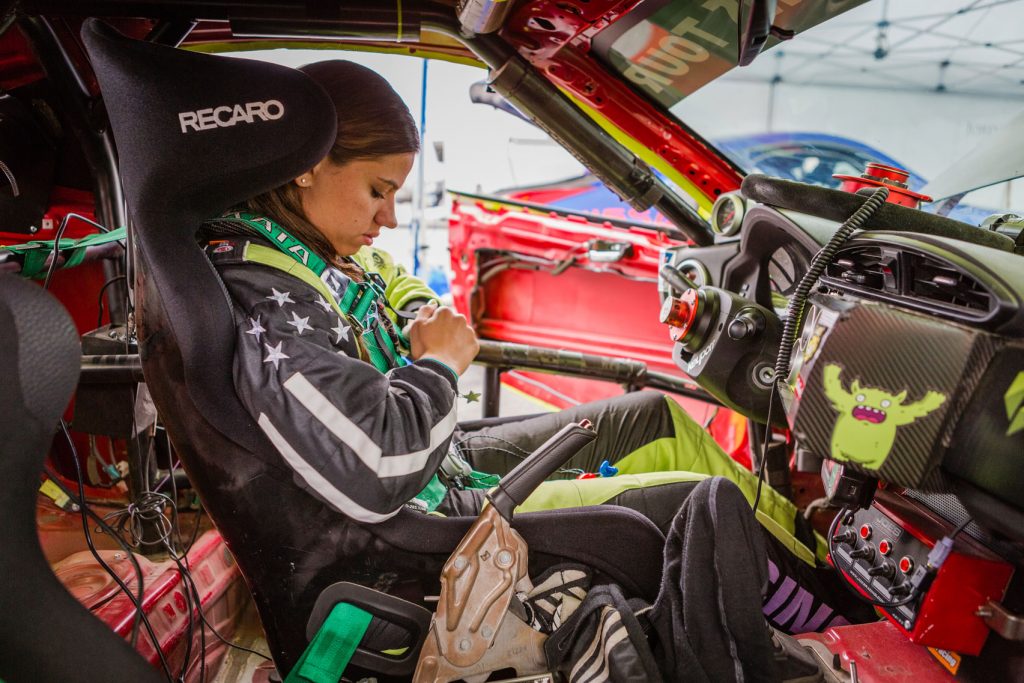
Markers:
point(350, 203)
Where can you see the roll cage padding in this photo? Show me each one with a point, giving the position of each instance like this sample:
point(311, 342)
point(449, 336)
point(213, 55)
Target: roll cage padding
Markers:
point(837, 205)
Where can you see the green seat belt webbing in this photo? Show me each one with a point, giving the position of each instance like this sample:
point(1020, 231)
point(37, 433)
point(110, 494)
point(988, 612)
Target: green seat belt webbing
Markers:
point(332, 647)
point(281, 239)
point(36, 252)
point(257, 253)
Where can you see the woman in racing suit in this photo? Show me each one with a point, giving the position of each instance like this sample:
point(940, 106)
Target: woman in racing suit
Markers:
point(366, 416)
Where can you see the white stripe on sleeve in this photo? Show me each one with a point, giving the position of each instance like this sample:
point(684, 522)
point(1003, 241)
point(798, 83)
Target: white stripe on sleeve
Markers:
point(355, 438)
point(317, 481)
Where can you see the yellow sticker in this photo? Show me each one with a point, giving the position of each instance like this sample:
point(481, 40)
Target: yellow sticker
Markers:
point(950, 660)
point(50, 490)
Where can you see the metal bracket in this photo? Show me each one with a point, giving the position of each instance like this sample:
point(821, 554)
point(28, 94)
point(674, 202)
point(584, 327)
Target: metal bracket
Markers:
point(1002, 621)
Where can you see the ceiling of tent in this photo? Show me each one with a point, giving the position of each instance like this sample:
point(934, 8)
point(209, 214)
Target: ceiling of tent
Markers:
point(961, 46)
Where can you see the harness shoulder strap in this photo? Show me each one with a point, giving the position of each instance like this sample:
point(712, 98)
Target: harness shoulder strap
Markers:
point(257, 253)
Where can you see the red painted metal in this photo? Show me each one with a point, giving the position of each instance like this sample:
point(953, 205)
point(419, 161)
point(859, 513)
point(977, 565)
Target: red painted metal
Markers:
point(606, 313)
point(218, 581)
point(555, 36)
point(970, 577)
point(881, 653)
point(17, 65)
point(610, 312)
point(879, 175)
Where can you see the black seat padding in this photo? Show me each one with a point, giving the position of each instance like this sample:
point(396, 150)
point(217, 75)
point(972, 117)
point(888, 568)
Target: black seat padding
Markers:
point(41, 357)
point(288, 544)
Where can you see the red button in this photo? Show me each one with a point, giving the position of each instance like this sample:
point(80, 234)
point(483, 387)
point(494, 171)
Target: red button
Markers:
point(865, 531)
point(884, 546)
point(906, 564)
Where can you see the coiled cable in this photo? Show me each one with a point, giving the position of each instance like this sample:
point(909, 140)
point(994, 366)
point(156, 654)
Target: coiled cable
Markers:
point(797, 303)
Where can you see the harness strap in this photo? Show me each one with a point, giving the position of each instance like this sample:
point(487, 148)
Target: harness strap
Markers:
point(376, 347)
point(332, 647)
point(35, 253)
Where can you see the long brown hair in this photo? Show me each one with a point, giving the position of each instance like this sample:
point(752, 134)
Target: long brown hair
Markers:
point(372, 121)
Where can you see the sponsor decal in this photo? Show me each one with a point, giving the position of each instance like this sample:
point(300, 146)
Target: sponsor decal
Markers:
point(226, 116)
point(865, 430)
point(1013, 399)
point(220, 249)
point(950, 660)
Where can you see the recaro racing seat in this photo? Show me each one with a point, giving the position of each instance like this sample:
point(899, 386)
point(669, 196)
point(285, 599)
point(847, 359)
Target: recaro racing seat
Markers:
point(41, 357)
point(289, 545)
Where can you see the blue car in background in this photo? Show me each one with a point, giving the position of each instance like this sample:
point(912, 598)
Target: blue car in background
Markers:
point(804, 157)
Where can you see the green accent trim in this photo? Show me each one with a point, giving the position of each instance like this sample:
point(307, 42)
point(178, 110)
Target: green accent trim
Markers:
point(693, 450)
point(572, 493)
point(1013, 399)
point(644, 153)
point(432, 494)
point(329, 652)
point(259, 45)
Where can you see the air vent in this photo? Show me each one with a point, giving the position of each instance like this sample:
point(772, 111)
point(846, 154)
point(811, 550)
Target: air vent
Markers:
point(941, 283)
point(867, 267)
point(911, 279)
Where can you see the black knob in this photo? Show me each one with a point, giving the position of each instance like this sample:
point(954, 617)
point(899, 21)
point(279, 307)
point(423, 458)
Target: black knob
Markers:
point(849, 537)
point(748, 323)
point(865, 552)
point(886, 570)
point(900, 590)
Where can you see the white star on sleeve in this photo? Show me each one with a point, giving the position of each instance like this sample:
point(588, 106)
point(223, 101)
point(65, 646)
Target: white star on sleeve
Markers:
point(341, 329)
point(257, 328)
point(274, 354)
point(323, 303)
point(281, 298)
point(300, 324)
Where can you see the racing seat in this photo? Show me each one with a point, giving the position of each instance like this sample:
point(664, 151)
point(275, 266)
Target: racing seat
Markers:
point(41, 359)
point(185, 157)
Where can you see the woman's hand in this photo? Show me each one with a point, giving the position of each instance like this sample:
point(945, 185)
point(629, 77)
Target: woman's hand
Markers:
point(443, 335)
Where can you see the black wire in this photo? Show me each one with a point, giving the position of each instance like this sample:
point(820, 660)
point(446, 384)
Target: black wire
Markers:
point(60, 233)
point(56, 250)
point(139, 615)
point(176, 531)
point(99, 318)
point(86, 511)
point(764, 449)
point(960, 527)
point(797, 302)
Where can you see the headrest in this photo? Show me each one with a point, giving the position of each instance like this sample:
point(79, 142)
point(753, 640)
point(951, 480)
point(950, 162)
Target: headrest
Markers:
point(41, 357)
point(198, 133)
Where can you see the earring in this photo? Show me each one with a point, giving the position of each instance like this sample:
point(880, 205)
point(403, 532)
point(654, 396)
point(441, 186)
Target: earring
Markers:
point(303, 181)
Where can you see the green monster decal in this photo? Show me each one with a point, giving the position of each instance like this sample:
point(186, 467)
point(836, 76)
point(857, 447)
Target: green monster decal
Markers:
point(1014, 400)
point(868, 418)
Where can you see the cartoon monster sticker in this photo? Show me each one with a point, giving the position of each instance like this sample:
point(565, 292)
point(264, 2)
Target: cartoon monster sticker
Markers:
point(868, 418)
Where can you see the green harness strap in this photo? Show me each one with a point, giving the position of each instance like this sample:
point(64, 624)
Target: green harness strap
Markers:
point(35, 253)
point(352, 301)
point(332, 647)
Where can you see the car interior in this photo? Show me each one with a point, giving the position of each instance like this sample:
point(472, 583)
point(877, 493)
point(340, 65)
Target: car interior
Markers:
point(867, 343)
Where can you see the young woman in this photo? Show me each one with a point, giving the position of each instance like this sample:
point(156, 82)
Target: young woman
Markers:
point(364, 415)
